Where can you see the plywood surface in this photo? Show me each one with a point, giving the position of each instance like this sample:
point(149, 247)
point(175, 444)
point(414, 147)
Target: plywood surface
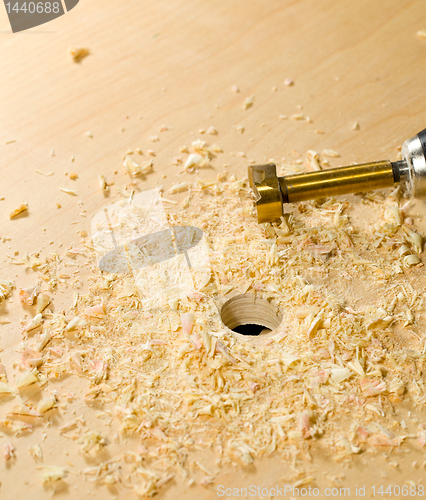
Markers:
point(175, 63)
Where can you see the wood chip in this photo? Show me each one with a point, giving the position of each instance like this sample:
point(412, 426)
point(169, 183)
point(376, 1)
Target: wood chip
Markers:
point(69, 191)
point(78, 54)
point(45, 175)
point(21, 209)
point(330, 153)
point(248, 102)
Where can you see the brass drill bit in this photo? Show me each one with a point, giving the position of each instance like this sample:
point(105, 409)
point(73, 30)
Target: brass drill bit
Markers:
point(271, 191)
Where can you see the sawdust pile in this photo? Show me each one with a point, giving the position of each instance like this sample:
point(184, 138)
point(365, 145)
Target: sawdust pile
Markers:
point(177, 379)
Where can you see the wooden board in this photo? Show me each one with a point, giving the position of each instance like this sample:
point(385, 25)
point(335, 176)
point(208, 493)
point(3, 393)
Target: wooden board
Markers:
point(174, 63)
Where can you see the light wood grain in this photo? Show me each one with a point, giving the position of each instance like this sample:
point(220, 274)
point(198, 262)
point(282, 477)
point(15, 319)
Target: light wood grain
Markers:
point(173, 63)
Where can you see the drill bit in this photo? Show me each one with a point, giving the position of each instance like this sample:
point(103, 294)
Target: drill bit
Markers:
point(271, 191)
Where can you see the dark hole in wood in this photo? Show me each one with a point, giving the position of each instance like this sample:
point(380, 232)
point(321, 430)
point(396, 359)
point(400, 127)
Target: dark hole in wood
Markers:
point(251, 329)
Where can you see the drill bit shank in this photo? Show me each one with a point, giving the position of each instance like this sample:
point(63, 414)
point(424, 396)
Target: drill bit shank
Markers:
point(337, 181)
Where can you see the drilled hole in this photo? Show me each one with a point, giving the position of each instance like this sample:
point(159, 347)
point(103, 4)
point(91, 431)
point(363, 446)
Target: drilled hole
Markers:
point(251, 329)
point(248, 315)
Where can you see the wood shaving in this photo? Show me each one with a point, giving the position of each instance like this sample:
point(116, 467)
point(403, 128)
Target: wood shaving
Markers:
point(92, 440)
point(248, 102)
point(330, 153)
point(78, 54)
point(21, 209)
point(314, 160)
point(194, 160)
point(178, 188)
point(45, 175)
point(53, 473)
point(9, 451)
point(46, 404)
point(71, 192)
point(103, 183)
point(29, 295)
point(135, 169)
point(5, 388)
point(6, 287)
point(215, 148)
point(26, 379)
point(36, 452)
point(43, 300)
point(34, 323)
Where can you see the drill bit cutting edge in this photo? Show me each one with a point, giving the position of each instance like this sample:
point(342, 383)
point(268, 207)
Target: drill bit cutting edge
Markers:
point(271, 191)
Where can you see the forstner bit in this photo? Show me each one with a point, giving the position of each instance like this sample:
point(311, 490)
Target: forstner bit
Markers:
point(271, 191)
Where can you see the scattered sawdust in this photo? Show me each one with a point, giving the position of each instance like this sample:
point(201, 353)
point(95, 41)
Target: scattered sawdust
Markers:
point(179, 380)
